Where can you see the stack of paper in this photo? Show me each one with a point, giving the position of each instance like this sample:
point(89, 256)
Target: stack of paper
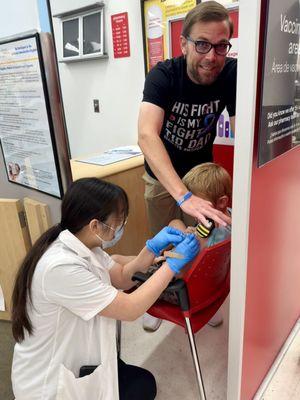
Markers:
point(113, 155)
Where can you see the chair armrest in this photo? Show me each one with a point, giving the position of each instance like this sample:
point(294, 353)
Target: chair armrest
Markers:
point(178, 286)
point(141, 276)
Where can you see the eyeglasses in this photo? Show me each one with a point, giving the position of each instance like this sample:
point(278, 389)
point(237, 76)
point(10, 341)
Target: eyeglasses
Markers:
point(114, 229)
point(204, 47)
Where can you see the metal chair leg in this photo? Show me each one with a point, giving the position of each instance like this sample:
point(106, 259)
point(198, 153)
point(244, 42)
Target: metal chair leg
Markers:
point(119, 332)
point(195, 359)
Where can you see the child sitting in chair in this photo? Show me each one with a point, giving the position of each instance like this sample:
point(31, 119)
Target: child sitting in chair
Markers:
point(211, 182)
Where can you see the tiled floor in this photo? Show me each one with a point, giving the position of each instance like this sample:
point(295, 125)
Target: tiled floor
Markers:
point(166, 353)
point(285, 383)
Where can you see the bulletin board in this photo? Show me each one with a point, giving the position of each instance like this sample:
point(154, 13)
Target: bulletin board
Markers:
point(27, 137)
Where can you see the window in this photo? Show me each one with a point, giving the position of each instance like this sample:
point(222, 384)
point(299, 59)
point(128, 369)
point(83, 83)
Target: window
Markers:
point(82, 35)
point(91, 33)
point(71, 38)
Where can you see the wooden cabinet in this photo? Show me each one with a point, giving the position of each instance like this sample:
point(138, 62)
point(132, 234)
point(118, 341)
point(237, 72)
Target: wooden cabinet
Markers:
point(14, 244)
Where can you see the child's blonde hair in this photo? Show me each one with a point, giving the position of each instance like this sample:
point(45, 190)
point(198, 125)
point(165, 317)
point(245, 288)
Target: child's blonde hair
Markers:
point(209, 180)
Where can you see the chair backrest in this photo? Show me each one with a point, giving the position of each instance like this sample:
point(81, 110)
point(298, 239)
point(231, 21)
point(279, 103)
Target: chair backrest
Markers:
point(208, 277)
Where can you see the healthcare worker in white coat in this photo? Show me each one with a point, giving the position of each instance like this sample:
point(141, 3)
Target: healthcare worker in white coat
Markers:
point(66, 301)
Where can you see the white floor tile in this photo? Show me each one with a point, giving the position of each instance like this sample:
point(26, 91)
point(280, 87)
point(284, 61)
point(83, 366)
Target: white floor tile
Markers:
point(285, 384)
point(166, 353)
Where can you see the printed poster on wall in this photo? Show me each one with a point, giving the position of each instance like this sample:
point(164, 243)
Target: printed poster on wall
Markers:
point(157, 14)
point(25, 133)
point(279, 129)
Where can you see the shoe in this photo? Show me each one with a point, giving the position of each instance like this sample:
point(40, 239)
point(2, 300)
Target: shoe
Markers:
point(151, 324)
point(216, 320)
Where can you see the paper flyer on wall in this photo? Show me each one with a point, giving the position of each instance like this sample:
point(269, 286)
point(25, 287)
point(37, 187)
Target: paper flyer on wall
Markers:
point(25, 133)
point(2, 303)
point(113, 155)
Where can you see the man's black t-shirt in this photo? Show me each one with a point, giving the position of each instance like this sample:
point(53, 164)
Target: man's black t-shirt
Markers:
point(191, 110)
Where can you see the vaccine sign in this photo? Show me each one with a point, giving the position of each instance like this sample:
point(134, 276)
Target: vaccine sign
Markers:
point(279, 128)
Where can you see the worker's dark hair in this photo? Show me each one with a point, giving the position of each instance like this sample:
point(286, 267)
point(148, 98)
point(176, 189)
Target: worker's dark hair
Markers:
point(209, 11)
point(86, 199)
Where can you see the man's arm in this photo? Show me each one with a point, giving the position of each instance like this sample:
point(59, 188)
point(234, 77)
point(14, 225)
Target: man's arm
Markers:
point(149, 126)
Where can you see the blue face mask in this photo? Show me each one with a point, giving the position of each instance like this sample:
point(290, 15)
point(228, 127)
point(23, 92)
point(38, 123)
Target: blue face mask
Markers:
point(105, 244)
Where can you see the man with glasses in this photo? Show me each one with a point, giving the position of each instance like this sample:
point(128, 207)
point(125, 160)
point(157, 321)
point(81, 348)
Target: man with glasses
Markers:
point(182, 101)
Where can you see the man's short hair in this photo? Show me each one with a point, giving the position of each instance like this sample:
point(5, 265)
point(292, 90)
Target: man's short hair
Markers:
point(209, 180)
point(209, 11)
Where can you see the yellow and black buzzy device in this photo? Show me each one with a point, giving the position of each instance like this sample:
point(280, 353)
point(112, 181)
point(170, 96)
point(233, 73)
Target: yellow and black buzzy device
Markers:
point(203, 231)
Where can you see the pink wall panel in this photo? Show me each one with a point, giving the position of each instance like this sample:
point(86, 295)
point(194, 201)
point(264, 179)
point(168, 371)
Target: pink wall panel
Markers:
point(273, 280)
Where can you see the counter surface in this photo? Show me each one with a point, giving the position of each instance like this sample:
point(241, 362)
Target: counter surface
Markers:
point(82, 170)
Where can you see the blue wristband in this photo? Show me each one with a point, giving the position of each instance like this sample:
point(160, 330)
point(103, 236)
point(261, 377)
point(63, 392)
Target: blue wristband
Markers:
point(184, 198)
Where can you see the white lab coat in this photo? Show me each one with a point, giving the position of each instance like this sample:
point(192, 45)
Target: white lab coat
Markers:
point(71, 285)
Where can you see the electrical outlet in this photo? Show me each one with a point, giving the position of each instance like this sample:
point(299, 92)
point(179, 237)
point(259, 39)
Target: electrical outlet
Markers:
point(96, 106)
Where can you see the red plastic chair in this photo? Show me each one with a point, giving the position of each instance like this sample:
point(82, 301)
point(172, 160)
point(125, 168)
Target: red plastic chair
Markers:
point(200, 294)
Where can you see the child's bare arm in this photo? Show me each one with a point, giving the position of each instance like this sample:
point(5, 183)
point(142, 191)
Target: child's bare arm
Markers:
point(190, 229)
point(178, 224)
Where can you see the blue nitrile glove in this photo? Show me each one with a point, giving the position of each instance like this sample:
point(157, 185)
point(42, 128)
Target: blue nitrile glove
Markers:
point(162, 239)
point(188, 248)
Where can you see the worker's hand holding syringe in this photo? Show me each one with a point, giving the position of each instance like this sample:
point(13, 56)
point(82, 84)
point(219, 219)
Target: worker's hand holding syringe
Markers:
point(186, 247)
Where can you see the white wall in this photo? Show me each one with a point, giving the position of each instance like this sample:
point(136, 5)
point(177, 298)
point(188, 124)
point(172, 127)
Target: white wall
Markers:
point(117, 83)
point(18, 16)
